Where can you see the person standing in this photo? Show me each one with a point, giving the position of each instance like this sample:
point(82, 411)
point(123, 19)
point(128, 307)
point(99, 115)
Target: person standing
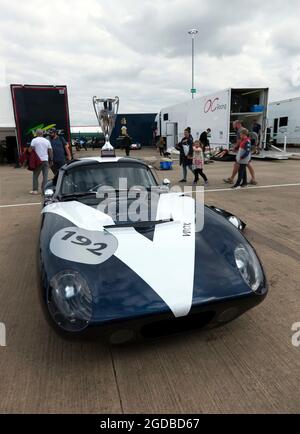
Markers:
point(161, 146)
point(185, 147)
point(83, 143)
point(238, 126)
point(254, 142)
point(198, 162)
point(204, 138)
point(243, 158)
point(256, 127)
point(190, 133)
point(126, 144)
point(43, 149)
point(61, 151)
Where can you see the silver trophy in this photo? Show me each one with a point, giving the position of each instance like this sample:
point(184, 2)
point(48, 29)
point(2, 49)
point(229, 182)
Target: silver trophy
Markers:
point(106, 110)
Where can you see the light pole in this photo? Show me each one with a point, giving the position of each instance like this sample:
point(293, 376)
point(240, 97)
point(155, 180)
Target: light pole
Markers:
point(193, 33)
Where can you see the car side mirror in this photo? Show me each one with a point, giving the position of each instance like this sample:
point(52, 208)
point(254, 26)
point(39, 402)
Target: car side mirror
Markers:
point(166, 182)
point(235, 222)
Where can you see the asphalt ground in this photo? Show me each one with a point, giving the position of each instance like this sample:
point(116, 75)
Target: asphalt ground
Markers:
point(248, 366)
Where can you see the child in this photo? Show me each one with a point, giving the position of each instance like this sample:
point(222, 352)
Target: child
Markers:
point(198, 161)
point(243, 158)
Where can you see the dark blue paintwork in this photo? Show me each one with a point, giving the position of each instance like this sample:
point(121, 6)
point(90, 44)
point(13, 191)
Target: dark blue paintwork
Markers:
point(119, 294)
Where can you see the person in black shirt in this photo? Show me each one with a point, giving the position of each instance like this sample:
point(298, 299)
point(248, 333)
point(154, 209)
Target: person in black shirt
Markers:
point(204, 138)
point(185, 147)
point(126, 144)
point(256, 127)
point(190, 133)
point(61, 151)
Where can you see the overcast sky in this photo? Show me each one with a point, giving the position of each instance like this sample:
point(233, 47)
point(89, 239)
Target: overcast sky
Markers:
point(141, 51)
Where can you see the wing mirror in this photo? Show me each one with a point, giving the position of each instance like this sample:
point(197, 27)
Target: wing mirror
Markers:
point(235, 222)
point(49, 193)
point(164, 187)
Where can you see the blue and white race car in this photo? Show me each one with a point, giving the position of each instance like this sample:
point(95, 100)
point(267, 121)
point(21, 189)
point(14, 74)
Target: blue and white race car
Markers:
point(105, 271)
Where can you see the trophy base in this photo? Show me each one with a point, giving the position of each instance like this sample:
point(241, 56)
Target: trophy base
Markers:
point(108, 153)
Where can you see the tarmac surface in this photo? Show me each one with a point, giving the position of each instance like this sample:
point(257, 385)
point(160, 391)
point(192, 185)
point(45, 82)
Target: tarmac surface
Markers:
point(248, 366)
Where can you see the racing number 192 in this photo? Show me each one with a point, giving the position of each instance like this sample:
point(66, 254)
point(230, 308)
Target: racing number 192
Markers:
point(85, 242)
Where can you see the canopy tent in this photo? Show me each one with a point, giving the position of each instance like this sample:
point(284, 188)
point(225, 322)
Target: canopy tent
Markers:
point(85, 131)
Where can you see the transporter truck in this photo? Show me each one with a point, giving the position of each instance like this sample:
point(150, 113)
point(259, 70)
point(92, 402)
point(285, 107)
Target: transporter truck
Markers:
point(217, 112)
point(39, 107)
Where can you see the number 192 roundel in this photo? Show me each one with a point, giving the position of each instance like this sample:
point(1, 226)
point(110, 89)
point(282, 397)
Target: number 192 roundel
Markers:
point(124, 280)
point(83, 246)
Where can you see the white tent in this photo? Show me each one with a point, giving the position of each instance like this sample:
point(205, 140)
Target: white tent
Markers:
point(82, 130)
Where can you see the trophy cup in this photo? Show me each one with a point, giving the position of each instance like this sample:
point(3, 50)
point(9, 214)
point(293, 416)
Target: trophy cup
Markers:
point(106, 110)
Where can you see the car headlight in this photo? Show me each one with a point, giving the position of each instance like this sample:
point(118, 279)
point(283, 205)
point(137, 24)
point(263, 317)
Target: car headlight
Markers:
point(249, 266)
point(70, 300)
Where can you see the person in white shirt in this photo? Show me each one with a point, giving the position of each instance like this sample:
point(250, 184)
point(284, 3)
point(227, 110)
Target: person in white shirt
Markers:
point(43, 149)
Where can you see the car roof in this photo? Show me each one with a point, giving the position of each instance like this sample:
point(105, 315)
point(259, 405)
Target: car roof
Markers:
point(102, 160)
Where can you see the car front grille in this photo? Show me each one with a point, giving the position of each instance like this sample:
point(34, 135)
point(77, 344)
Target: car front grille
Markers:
point(173, 326)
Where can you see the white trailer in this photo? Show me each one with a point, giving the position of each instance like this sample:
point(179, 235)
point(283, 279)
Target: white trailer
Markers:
point(217, 112)
point(284, 121)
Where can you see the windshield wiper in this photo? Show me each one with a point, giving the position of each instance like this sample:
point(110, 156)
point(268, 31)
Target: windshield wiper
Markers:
point(78, 194)
point(139, 224)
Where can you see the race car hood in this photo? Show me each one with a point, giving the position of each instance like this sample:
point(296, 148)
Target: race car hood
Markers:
point(168, 265)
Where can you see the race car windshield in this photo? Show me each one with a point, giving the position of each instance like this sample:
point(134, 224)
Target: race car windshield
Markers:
point(90, 178)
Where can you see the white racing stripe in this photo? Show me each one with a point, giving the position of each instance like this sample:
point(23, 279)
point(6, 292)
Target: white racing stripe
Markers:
point(81, 215)
point(173, 243)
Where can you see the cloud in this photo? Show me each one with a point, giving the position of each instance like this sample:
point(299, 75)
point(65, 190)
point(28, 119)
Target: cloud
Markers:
point(160, 28)
point(141, 51)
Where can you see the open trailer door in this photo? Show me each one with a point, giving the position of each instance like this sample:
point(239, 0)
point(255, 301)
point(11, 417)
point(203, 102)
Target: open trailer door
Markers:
point(42, 107)
point(172, 135)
